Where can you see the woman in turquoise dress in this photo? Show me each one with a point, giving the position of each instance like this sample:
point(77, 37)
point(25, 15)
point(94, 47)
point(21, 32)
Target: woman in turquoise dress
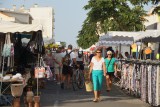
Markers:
point(110, 63)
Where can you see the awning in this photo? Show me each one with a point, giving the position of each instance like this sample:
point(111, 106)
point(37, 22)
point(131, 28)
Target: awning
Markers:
point(10, 27)
point(148, 36)
point(119, 34)
point(117, 37)
point(122, 37)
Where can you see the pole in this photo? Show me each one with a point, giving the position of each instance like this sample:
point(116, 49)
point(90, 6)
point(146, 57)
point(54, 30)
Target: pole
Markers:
point(120, 50)
point(38, 73)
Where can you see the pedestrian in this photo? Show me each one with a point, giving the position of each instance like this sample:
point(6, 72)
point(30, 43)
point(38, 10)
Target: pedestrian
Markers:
point(91, 56)
point(127, 55)
point(80, 60)
point(98, 70)
point(58, 65)
point(49, 60)
point(68, 61)
point(111, 69)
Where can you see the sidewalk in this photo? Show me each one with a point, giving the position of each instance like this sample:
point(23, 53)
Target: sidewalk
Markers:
point(53, 96)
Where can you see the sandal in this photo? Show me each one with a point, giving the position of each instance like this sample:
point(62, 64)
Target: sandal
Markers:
point(95, 100)
point(99, 99)
point(108, 90)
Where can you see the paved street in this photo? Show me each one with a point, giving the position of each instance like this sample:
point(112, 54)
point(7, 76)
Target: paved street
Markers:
point(53, 96)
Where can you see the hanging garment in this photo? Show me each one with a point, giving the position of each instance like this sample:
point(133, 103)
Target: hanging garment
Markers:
point(143, 83)
point(154, 77)
point(7, 46)
point(149, 84)
point(158, 87)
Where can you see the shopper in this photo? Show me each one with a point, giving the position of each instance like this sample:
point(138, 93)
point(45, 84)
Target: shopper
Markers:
point(98, 70)
point(49, 60)
point(68, 61)
point(111, 69)
point(127, 55)
point(80, 60)
point(58, 65)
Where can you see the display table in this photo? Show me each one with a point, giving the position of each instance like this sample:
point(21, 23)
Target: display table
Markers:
point(11, 81)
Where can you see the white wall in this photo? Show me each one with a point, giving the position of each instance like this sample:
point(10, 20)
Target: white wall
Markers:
point(19, 17)
point(151, 19)
point(44, 16)
point(6, 18)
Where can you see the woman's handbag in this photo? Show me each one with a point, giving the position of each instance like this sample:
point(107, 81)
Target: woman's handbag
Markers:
point(89, 86)
point(39, 72)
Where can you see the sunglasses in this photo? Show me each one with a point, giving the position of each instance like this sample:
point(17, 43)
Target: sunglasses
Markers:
point(108, 54)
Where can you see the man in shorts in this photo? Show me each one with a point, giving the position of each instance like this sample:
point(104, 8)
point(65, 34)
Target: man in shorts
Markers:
point(58, 66)
point(67, 70)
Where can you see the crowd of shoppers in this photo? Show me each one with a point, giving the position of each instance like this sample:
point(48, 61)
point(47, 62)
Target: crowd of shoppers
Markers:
point(101, 68)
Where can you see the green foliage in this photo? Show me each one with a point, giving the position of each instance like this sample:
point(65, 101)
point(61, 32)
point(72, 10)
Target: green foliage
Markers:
point(112, 15)
point(87, 36)
point(63, 44)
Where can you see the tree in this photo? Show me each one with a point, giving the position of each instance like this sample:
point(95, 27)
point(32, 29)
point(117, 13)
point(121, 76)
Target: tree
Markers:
point(88, 35)
point(63, 44)
point(106, 15)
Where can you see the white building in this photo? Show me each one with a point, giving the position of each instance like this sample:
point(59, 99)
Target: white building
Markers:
point(44, 16)
point(153, 21)
point(41, 15)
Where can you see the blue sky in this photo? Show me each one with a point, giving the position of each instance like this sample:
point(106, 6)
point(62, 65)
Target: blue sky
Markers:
point(69, 15)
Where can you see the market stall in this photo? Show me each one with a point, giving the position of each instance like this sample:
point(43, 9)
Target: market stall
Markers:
point(13, 63)
point(141, 77)
point(120, 39)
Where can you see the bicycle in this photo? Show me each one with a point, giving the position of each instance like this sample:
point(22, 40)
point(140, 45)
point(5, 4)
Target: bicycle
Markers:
point(78, 78)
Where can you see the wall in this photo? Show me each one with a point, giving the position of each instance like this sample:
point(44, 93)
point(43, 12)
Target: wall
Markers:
point(6, 18)
point(19, 17)
point(44, 16)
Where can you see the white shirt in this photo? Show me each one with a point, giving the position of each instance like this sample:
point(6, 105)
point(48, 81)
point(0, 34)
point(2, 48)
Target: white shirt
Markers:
point(97, 65)
point(78, 59)
point(63, 54)
point(72, 54)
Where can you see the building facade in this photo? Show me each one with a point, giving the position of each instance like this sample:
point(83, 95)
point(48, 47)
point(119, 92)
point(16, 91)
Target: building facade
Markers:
point(44, 16)
point(41, 15)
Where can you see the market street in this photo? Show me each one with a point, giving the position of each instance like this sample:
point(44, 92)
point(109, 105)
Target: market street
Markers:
point(53, 96)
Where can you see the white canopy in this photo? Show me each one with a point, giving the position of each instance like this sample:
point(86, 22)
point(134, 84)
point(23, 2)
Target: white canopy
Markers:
point(121, 34)
point(10, 27)
point(104, 43)
point(148, 36)
point(117, 37)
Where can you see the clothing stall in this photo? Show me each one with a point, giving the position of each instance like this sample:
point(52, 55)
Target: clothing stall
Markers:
point(141, 77)
point(11, 35)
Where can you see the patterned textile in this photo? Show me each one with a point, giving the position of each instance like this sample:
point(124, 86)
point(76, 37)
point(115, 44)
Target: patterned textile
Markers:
point(142, 80)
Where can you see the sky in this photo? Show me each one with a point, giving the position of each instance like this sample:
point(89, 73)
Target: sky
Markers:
point(69, 15)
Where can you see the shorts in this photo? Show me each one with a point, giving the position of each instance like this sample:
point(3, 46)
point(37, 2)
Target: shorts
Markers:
point(81, 65)
point(111, 74)
point(58, 70)
point(67, 70)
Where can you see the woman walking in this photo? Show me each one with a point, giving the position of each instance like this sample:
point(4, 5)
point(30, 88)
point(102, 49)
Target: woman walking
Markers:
point(98, 70)
point(111, 69)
